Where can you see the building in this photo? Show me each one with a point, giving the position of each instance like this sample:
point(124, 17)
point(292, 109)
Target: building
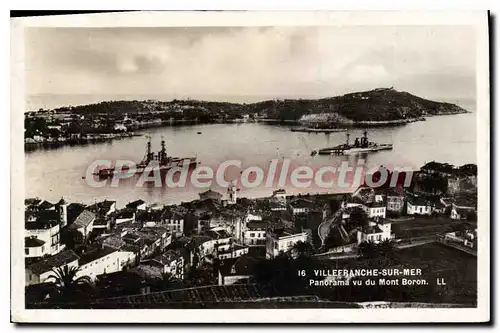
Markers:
point(170, 263)
point(103, 260)
point(301, 206)
point(236, 270)
point(280, 195)
point(125, 216)
point(459, 212)
point(231, 250)
point(174, 221)
point(104, 208)
point(418, 206)
point(231, 193)
point(84, 223)
point(39, 271)
point(255, 233)
point(376, 231)
point(46, 231)
point(282, 240)
point(62, 208)
point(34, 247)
point(137, 205)
point(375, 209)
point(395, 201)
point(209, 194)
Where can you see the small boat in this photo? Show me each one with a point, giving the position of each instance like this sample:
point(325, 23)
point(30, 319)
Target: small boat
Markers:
point(199, 132)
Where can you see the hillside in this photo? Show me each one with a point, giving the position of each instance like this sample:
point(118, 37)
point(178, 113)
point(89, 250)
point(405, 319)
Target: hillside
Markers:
point(375, 105)
point(382, 104)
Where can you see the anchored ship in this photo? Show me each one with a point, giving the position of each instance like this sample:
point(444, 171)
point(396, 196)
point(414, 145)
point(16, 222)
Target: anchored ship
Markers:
point(164, 162)
point(360, 145)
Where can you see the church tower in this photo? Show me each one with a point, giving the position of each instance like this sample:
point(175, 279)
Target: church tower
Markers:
point(231, 191)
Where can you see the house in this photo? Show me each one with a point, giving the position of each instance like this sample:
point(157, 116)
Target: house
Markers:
point(438, 207)
point(39, 271)
point(210, 243)
point(203, 223)
point(418, 206)
point(84, 223)
point(170, 262)
point(375, 209)
point(125, 216)
point(301, 206)
point(279, 196)
point(103, 260)
point(231, 250)
point(209, 194)
point(104, 208)
point(376, 231)
point(46, 231)
point(236, 270)
point(277, 206)
point(45, 205)
point(461, 213)
point(442, 169)
point(101, 225)
point(137, 205)
point(34, 247)
point(113, 241)
point(255, 233)
point(174, 221)
point(280, 239)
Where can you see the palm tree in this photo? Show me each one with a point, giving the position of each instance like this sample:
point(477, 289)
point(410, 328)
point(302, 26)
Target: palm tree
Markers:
point(301, 249)
point(66, 282)
point(386, 248)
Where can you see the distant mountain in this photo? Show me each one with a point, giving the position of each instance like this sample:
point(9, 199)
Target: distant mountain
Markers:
point(382, 104)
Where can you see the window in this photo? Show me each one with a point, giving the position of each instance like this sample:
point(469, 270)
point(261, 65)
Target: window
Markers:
point(26, 251)
point(252, 234)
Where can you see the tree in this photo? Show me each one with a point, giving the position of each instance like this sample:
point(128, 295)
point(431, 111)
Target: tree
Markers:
point(301, 249)
point(334, 205)
point(69, 287)
point(367, 250)
point(386, 248)
point(358, 217)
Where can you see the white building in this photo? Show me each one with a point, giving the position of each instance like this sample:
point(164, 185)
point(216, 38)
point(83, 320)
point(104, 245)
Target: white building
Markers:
point(231, 193)
point(104, 260)
point(47, 232)
point(137, 205)
point(301, 206)
point(174, 221)
point(231, 250)
point(39, 271)
point(375, 210)
point(280, 195)
point(255, 233)
point(375, 232)
point(282, 241)
point(418, 206)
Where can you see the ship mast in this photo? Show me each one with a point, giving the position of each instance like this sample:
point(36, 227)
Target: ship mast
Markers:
point(148, 158)
point(347, 139)
point(163, 151)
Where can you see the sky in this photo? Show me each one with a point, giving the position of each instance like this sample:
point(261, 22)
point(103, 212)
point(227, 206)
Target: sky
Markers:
point(245, 63)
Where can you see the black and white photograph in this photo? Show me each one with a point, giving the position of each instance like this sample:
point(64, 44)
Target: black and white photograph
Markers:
point(213, 166)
